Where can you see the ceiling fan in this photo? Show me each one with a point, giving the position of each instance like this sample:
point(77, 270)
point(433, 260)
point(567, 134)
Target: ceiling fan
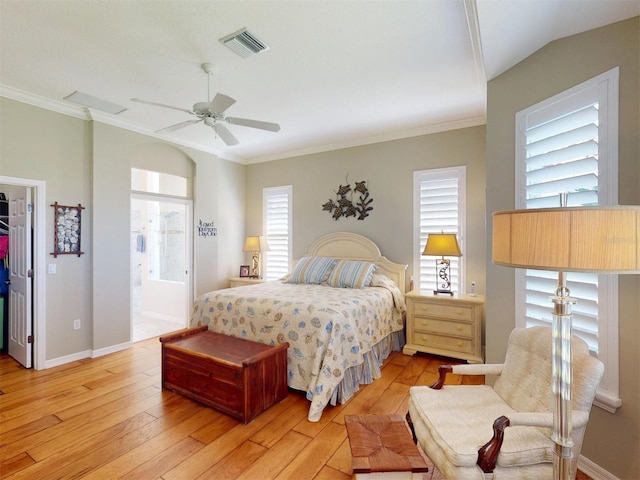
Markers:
point(212, 114)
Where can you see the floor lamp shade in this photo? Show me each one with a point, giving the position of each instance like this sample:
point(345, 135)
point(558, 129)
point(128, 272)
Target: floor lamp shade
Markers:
point(567, 239)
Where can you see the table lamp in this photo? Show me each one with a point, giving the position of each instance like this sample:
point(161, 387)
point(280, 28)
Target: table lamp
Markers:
point(256, 245)
point(567, 239)
point(441, 244)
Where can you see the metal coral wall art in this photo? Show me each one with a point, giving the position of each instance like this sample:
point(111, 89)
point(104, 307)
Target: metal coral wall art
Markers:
point(66, 230)
point(343, 205)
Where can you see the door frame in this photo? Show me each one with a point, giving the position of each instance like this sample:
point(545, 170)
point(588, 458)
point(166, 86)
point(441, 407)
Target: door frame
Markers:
point(39, 264)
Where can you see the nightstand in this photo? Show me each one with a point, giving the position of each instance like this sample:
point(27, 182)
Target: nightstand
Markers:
point(241, 281)
point(445, 325)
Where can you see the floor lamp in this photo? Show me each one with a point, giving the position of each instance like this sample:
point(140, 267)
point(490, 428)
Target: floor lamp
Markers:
point(567, 239)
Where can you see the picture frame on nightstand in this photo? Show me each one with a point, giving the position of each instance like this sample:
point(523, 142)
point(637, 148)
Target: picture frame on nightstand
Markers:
point(244, 271)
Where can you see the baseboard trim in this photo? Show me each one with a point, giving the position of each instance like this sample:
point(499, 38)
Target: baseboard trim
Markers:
point(112, 349)
point(74, 357)
point(593, 470)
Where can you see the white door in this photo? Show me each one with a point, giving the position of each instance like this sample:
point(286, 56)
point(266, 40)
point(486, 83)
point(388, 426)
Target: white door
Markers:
point(20, 273)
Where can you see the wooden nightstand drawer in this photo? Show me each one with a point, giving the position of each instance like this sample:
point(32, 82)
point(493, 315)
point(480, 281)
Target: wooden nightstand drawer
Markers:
point(434, 325)
point(453, 344)
point(455, 312)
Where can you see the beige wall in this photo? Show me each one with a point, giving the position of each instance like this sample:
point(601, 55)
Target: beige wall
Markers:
point(388, 169)
point(41, 145)
point(89, 163)
point(612, 440)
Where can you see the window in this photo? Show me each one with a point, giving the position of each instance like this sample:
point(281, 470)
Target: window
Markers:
point(276, 204)
point(439, 206)
point(568, 144)
point(158, 182)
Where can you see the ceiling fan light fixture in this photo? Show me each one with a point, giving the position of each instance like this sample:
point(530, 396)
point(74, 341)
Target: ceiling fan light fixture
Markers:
point(244, 43)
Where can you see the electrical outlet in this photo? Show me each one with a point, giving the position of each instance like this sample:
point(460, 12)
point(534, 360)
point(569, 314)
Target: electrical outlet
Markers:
point(76, 324)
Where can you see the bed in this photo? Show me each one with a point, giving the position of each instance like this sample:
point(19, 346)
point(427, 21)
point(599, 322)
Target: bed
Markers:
point(338, 337)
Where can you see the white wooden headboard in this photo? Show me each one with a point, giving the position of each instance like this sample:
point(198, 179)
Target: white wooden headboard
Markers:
point(358, 247)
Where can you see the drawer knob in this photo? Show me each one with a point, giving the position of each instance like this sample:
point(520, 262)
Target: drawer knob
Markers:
point(459, 312)
point(459, 344)
point(459, 328)
point(424, 323)
point(423, 307)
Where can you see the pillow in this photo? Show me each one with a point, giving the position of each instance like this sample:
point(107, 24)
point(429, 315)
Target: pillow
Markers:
point(352, 274)
point(312, 270)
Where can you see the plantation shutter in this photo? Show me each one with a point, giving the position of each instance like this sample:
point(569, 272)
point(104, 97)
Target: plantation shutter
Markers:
point(561, 156)
point(569, 144)
point(277, 222)
point(439, 208)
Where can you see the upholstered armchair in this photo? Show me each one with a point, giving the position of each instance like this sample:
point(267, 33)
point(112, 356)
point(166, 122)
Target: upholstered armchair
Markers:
point(503, 431)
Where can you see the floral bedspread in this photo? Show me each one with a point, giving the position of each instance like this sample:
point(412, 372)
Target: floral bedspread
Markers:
point(328, 329)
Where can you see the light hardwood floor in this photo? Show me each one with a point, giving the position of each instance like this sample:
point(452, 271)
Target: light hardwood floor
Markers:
point(108, 418)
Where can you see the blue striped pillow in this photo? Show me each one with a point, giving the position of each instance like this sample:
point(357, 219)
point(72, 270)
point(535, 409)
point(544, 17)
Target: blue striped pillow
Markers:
point(312, 270)
point(352, 274)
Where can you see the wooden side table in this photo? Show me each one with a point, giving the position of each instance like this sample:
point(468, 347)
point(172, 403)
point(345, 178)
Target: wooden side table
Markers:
point(445, 325)
point(242, 281)
point(382, 447)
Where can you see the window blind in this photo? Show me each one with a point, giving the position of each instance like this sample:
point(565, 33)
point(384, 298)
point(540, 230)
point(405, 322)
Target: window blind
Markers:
point(561, 155)
point(568, 144)
point(439, 200)
point(277, 222)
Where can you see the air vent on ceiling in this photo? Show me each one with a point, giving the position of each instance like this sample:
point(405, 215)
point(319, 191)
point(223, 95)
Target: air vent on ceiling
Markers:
point(244, 43)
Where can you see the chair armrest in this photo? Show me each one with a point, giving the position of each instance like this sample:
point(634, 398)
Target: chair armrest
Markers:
point(479, 369)
point(488, 453)
point(545, 419)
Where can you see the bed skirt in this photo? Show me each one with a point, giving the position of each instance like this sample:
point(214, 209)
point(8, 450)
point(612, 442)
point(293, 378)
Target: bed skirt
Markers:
point(368, 371)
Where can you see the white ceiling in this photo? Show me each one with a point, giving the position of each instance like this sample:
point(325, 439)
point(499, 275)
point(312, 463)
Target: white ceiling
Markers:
point(337, 74)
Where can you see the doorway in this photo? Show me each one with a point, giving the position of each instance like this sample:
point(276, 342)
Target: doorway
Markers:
point(33, 266)
point(159, 265)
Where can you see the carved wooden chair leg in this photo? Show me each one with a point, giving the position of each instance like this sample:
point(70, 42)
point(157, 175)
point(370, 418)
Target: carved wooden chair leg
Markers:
point(413, 432)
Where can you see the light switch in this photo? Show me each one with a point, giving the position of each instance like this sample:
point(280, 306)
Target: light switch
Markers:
point(51, 269)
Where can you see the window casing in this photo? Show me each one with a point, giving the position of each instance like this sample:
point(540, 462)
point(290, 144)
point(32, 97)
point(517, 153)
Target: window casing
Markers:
point(439, 206)
point(568, 144)
point(276, 202)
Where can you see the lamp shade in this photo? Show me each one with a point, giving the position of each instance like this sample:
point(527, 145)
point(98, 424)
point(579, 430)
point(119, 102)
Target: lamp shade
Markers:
point(442, 244)
point(569, 239)
point(255, 243)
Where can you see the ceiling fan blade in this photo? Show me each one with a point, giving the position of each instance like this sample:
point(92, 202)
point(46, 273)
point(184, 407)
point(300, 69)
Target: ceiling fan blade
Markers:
point(220, 103)
point(245, 122)
point(139, 100)
point(226, 136)
point(178, 126)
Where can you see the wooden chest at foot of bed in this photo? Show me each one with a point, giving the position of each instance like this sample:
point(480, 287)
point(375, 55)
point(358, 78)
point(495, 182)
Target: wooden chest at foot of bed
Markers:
point(235, 376)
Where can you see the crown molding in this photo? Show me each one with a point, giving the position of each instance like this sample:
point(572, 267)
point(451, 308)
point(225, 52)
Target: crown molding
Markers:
point(89, 114)
point(42, 102)
point(383, 137)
